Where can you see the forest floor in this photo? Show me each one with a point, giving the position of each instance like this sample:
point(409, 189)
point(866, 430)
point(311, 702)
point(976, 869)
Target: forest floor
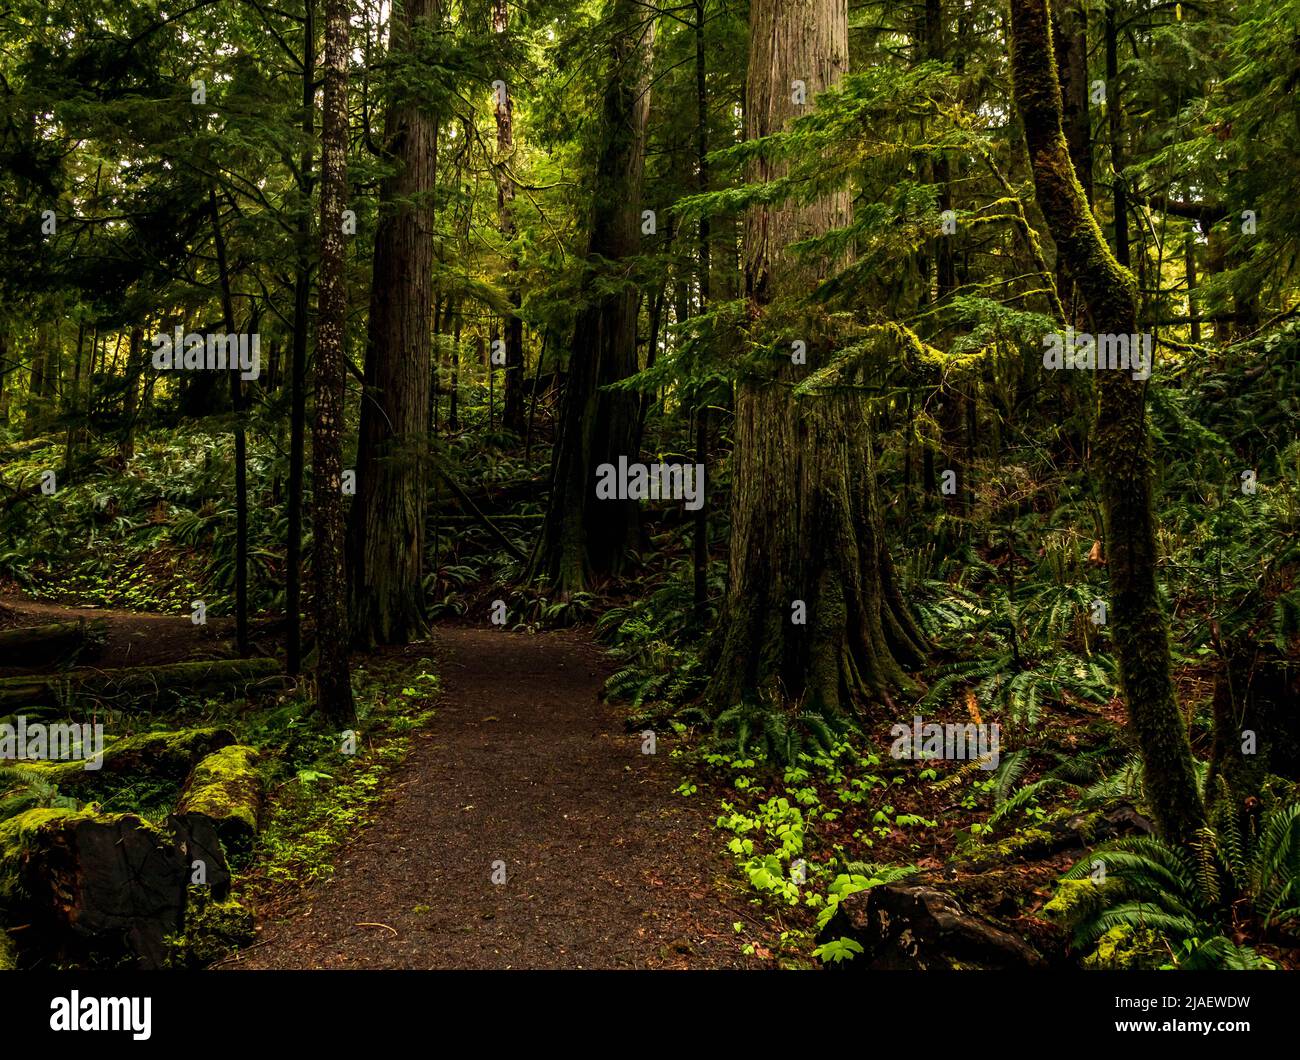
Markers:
point(132, 638)
point(605, 867)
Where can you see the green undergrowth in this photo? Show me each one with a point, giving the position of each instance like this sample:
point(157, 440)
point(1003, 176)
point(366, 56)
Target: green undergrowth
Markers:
point(321, 785)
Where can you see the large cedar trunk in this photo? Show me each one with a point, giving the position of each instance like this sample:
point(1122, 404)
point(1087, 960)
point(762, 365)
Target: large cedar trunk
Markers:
point(333, 677)
point(584, 538)
point(1121, 447)
point(386, 529)
point(805, 521)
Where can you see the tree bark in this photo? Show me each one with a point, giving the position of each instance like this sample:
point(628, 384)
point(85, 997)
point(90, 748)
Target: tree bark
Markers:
point(333, 677)
point(805, 522)
point(386, 527)
point(1141, 632)
point(512, 415)
point(298, 370)
point(241, 441)
point(700, 533)
point(581, 537)
point(1115, 128)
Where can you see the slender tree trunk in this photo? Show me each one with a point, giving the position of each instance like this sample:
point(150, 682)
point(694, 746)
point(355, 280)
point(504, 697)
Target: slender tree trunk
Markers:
point(1070, 35)
point(512, 416)
point(298, 369)
point(1189, 259)
point(386, 528)
point(936, 34)
point(6, 370)
point(1115, 118)
point(700, 535)
point(806, 529)
point(130, 398)
point(333, 678)
point(1141, 632)
point(582, 537)
point(241, 442)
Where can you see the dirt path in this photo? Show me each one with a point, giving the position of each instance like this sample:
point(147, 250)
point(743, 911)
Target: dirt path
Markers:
point(605, 866)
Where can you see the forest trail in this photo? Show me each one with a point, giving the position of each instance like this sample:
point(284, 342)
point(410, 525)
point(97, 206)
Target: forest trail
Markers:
point(605, 866)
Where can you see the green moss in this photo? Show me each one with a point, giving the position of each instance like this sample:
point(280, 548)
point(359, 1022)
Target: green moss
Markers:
point(162, 753)
point(1012, 848)
point(1073, 900)
point(212, 930)
point(226, 787)
point(1126, 948)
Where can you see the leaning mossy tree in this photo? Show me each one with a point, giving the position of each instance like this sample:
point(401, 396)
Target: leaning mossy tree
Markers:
point(813, 614)
point(1121, 447)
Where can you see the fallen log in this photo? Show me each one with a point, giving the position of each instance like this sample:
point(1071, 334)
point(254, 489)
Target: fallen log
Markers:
point(29, 445)
point(225, 789)
point(125, 686)
point(159, 755)
point(55, 642)
point(90, 889)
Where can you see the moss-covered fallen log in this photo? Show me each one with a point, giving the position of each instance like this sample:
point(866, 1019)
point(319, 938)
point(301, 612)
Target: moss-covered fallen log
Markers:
point(226, 789)
point(160, 755)
point(125, 687)
point(30, 646)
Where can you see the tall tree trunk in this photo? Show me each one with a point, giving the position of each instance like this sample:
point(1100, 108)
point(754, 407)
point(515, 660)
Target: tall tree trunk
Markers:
point(298, 370)
point(1141, 632)
point(333, 678)
point(130, 398)
point(241, 442)
point(700, 537)
point(7, 367)
point(512, 416)
point(1115, 128)
point(806, 529)
point(1070, 36)
point(386, 528)
point(582, 537)
point(936, 40)
point(76, 420)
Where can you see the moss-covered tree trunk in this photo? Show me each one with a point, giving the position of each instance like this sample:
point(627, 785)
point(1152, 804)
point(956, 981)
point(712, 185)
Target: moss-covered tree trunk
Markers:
point(582, 537)
point(333, 676)
point(386, 523)
point(806, 537)
point(1121, 446)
